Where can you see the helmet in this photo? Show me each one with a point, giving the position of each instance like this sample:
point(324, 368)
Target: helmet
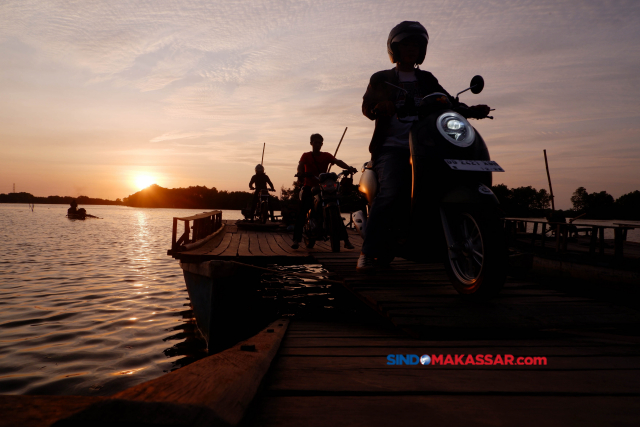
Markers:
point(73, 203)
point(402, 31)
point(259, 168)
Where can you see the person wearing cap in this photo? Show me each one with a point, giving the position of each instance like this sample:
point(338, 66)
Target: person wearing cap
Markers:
point(259, 182)
point(389, 146)
point(311, 165)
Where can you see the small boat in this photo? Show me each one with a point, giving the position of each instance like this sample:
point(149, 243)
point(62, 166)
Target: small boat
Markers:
point(77, 216)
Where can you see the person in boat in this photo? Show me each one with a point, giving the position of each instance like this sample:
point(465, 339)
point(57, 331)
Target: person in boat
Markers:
point(74, 211)
point(389, 147)
point(312, 164)
point(259, 182)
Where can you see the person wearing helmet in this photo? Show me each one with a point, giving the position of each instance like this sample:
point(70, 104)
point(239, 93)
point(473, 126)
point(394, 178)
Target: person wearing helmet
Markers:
point(407, 48)
point(259, 182)
point(312, 164)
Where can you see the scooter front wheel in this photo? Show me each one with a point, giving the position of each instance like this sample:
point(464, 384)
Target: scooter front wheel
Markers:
point(477, 260)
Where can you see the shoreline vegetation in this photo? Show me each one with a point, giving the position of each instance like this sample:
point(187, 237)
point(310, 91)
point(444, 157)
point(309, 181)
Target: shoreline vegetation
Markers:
point(516, 202)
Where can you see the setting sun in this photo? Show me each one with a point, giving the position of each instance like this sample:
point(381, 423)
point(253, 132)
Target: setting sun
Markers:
point(143, 181)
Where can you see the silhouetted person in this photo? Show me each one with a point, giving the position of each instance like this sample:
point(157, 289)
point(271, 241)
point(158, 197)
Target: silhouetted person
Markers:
point(74, 211)
point(312, 164)
point(389, 147)
point(259, 182)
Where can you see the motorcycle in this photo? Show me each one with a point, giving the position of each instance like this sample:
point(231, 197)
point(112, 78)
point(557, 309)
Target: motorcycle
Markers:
point(262, 207)
point(324, 221)
point(454, 216)
point(260, 210)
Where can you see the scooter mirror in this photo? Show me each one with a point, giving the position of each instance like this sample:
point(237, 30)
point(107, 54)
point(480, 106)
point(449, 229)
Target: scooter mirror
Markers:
point(477, 84)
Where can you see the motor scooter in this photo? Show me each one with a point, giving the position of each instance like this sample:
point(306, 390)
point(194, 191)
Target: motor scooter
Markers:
point(453, 215)
point(324, 221)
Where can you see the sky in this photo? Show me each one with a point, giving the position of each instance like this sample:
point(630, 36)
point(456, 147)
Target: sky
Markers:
point(101, 98)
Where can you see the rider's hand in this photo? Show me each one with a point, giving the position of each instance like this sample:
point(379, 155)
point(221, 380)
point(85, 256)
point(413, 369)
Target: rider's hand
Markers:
point(385, 108)
point(479, 111)
point(352, 169)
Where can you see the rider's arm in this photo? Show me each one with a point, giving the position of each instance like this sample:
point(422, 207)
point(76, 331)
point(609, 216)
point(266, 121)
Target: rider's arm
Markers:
point(270, 183)
point(342, 164)
point(377, 92)
point(253, 180)
point(301, 170)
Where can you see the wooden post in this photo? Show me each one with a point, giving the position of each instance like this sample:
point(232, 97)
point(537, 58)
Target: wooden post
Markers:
point(186, 231)
point(601, 233)
point(558, 232)
point(546, 163)
point(543, 237)
point(174, 234)
point(535, 231)
point(593, 241)
point(618, 242)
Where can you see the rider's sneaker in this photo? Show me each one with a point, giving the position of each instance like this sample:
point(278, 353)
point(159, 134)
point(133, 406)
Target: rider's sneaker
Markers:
point(366, 264)
point(348, 245)
point(295, 245)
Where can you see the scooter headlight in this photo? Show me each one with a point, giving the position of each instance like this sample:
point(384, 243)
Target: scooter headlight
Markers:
point(456, 129)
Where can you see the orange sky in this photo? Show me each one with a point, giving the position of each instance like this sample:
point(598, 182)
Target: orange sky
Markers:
point(96, 95)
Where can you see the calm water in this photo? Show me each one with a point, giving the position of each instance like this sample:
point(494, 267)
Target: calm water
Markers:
point(93, 307)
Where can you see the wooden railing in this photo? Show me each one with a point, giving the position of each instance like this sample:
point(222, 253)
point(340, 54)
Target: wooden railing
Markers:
point(204, 224)
point(562, 231)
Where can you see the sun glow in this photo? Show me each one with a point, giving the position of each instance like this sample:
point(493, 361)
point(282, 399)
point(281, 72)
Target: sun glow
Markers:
point(143, 181)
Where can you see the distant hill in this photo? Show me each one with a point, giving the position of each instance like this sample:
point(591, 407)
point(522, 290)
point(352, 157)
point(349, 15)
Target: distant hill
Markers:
point(198, 197)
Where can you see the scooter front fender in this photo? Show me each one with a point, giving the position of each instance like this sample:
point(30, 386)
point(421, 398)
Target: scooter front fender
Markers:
point(476, 193)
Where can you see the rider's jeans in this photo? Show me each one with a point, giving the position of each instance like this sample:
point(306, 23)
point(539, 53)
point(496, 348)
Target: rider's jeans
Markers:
point(306, 201)
point(393, 169)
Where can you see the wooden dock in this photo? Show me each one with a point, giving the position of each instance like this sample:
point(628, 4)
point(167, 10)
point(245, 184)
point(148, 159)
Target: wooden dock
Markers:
point(327, 372)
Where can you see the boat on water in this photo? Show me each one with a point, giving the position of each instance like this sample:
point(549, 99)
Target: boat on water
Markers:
point(77, 216)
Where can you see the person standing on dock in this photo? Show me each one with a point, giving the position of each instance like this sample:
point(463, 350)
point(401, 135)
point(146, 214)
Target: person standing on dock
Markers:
point(259, 182)
point(389, 147)
point(311, 165)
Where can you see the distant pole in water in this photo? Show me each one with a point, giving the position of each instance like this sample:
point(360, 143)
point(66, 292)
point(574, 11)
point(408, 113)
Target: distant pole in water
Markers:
point(336, 153)
point(263, 145)
point(546, 163)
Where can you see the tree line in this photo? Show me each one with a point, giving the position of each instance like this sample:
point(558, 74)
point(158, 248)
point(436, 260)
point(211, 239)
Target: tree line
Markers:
point(529, 202)
point(23, 197)
point(518, 202)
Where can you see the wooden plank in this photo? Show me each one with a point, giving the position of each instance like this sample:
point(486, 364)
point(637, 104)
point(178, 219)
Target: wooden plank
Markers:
point(445, 410)
point(264, 246)
point(274, 245)
point(243, 246)
point(284, 244)
point(232, 250)
point(198, 216)
point(224, 244)
point(432, 379)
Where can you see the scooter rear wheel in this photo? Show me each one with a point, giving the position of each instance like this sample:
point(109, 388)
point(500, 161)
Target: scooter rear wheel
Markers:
point(477, 262)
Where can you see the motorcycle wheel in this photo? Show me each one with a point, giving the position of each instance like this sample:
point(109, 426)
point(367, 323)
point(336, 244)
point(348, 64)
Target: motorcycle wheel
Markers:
point(335, 221)
point(264, 213)
point(477, 264)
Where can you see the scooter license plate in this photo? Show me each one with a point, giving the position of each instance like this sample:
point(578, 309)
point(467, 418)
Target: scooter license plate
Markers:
point(474, 165)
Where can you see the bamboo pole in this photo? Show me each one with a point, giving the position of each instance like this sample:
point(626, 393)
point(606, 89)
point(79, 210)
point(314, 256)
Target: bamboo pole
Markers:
point(546, 163)
point(337, 148)
point(263, 145)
